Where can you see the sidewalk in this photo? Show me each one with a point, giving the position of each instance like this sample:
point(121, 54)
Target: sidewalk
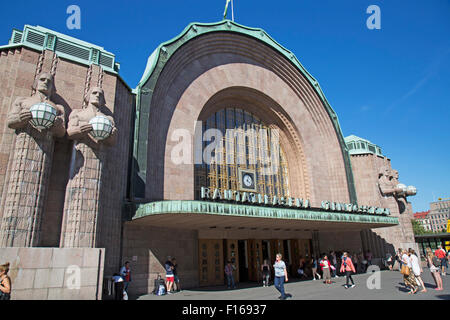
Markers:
point(391, 288)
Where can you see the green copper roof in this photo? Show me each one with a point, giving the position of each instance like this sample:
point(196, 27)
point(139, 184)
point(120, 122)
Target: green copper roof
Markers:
point(227, 209)
point(162, 54)
point(40, 38)
point(357, 145)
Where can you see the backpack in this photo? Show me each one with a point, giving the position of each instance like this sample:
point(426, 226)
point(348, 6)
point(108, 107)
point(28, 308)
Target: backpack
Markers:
point(160, 287)
point(436, 261)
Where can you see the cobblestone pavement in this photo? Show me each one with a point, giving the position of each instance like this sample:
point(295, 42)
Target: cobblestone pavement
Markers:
point(391, 288)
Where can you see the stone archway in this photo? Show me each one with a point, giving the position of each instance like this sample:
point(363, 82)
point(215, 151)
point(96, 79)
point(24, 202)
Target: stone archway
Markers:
point(272, 115)
point(208, 67)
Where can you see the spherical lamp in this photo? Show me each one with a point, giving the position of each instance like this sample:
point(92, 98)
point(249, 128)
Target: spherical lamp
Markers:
point(43, 115)
point(411, 191)
point(101, 127)
point(402, 187)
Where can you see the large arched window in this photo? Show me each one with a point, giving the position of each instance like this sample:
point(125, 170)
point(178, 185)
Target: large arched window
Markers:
point(245, 143)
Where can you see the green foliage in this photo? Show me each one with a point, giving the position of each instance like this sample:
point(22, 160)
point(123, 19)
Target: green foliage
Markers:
point(417, 227)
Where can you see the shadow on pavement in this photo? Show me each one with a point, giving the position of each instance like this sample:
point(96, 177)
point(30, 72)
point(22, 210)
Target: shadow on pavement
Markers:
point(240, 285)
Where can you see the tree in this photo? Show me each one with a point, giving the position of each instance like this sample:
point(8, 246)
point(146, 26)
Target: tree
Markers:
point(417, 227)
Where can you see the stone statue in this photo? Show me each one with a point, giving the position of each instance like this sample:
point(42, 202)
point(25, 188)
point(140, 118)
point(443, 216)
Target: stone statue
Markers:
point(385, 183)
point(93, 131)
point(36, 119)
point(81, 125)
point(20, 114)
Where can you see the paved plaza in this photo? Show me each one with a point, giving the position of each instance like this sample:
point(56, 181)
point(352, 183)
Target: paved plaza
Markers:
point(391, 288)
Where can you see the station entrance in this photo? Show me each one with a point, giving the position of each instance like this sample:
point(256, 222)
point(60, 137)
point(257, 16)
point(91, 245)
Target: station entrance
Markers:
point(247, 256)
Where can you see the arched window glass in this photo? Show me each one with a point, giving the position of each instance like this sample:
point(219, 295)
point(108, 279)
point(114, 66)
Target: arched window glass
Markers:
point(246, 143)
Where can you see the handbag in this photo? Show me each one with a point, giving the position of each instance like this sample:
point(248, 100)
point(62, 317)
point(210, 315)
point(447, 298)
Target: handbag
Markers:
point(405, 270)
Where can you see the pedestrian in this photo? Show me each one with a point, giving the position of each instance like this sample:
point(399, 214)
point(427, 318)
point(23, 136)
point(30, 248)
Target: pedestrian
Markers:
point(118, 286)
point(442, 255)
point(301, 268)
point(408, 275)
point(398, 258)
point(125, 273)
point(432, 260)
point(169, 275)
point(5, 282)
point(369, 258)
point(229, 268)
point(326, 266)
point(416, 268)
point(314, 268)
point(348, 267)
point(363, 262)
point(355, 262)
point(281, 276)
point(333, 262)
point(265, 269)
point(390, 260)
point(175, 276)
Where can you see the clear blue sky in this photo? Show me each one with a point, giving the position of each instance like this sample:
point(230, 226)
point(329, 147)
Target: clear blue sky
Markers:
point(390, 86)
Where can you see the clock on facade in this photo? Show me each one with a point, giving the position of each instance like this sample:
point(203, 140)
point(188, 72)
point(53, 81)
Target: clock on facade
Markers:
point(247, 180)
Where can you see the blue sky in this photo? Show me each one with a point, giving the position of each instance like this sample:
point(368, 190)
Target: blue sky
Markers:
point(390, 86)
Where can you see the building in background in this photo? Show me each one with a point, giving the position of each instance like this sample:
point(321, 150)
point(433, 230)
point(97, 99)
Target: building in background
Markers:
point(439, 215)
point(129, 181)
point(424, 220)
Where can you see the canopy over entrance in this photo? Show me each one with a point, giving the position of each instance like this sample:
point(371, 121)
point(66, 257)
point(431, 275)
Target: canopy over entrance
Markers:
point(198, 215)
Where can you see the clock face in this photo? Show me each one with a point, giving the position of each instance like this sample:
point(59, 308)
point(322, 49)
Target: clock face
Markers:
point(247, 179)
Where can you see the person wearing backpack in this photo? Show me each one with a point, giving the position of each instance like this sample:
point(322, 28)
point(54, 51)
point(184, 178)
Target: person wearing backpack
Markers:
point(431, 260)
point(441, 255)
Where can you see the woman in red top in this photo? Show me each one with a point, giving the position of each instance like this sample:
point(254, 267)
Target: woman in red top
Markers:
point(348, 267)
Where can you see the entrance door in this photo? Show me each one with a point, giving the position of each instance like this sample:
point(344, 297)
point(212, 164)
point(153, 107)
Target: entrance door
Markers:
point(243, 262)
point(276, 246)
point(231, 253)
point(295, 256)
point(211, 264)
point(254, 259)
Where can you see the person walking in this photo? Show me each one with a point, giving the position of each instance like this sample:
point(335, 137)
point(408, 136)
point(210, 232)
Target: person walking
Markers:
point(314, 268)
point(434, 269)
point(125, 273)
point(229, 273)
point(281, 276)
point(333, 261)
point(416, 269)
point(326, 266)
point(355, 262)
point(5, 282)
point(442, 255)
point(265, 270)
point(398, 258)
point(408, 275)
point(348, 267)
point(170, 278)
